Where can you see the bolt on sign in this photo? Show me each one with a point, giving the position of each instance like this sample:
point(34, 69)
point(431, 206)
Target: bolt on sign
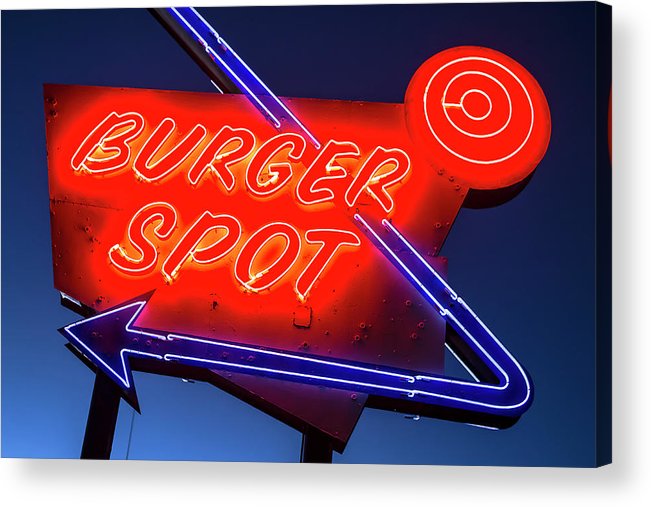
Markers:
point(304, 257)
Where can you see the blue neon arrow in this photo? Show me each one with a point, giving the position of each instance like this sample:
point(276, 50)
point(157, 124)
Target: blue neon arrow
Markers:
point(111, 338)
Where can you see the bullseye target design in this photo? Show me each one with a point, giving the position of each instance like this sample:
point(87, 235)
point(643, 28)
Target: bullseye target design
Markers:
point(479, 115)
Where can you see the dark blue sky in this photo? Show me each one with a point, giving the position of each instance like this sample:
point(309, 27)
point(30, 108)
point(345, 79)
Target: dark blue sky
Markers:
point(527, 267)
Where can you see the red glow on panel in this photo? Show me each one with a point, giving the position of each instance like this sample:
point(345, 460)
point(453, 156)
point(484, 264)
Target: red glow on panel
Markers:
point(153, 222)
point(106, 148)
point(374, 178)
point(228, 147)
point(159, 156)
point(270, 272)
point(190, 246)
point(267, 171)
point(330, 241)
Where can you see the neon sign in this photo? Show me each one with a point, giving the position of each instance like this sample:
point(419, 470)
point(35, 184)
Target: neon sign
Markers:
point(260, 240)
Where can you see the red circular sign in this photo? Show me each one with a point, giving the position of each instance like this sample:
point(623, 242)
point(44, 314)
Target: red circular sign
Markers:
point(479, 115)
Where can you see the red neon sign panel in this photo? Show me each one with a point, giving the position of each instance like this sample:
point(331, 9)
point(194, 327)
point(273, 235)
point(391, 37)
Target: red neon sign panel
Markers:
point(246, 234)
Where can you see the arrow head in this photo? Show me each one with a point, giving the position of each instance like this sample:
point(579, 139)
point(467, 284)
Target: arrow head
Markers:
point(107, 340)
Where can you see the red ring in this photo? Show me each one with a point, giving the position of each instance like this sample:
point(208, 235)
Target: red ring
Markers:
point(478, 115)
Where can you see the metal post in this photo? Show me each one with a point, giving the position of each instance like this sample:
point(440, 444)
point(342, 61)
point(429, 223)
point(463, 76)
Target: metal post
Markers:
point(102, 417)
point(316, 448)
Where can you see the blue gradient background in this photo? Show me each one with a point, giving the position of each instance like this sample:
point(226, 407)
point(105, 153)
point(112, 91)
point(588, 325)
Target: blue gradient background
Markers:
point(526, 267)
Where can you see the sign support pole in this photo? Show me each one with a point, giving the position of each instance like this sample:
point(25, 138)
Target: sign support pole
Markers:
point(102, 418)
point(316, 448)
